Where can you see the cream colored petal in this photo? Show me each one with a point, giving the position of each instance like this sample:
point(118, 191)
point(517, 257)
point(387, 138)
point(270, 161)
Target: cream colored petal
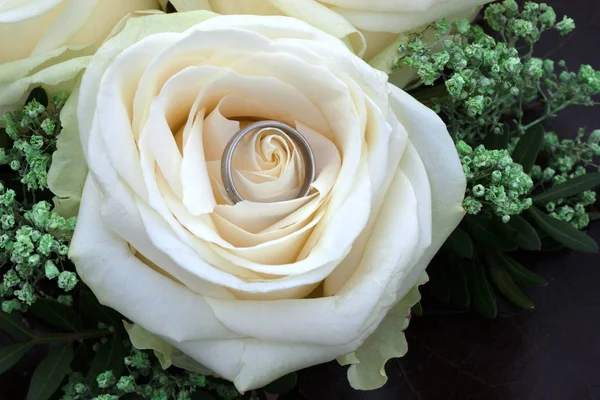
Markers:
point(133, 31)
point(388, 5)
point(254, 217)
point(342, 317)
point(403, 20)
point(17, 78)
point(129, 218)
point(120, 280)
point(276, 28)
point(241, 238)
point(390, 149)
point(367, 363)
point(435, 148)
point(22, 26)
point(68, 170)
point(18, 10)
point(69, 18)
point(325, 19)
point(197, 194)
point(113, 103)
point(252, 7)
point(105, 16)
point(386, 59)
point(188, 5)
point(255, 322)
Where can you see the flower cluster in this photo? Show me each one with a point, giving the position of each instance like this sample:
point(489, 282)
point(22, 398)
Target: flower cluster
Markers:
point(487, 81)
point(33, 131)
point(568, 159)
point(35, 243)
point(494, 181)
point(146, 380)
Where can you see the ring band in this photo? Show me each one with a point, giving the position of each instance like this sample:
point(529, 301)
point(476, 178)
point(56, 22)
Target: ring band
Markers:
point(307, 156)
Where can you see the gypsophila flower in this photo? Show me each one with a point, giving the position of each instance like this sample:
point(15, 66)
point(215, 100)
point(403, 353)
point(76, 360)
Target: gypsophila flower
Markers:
point(34, 253)
point(472, 206)
point(138, 360)
point(33, 130)
point(183, 395)
point(9, 306)
point(67, 280)
point(106, 397)
point(567, 159)
point(51, 270)
point(488, 81)
point(478, 190)
point(105, 379)
point(565, 26)
point(26, 294)
point(494, 181)
point(126, 384)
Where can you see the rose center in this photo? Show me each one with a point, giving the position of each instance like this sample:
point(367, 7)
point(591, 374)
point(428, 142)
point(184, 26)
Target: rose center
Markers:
point(267, 166)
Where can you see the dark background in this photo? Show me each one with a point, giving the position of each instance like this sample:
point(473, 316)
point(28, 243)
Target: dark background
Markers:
point(550, 353)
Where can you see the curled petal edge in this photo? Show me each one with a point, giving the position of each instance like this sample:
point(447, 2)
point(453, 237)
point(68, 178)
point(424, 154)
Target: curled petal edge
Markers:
point(367, 363)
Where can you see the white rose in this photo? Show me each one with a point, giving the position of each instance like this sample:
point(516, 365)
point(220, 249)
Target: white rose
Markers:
point(372, 28)
point(36, 35)
point(270, 285)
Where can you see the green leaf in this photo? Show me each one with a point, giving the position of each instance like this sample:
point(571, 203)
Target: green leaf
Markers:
point(548, 244)
point(506, 285)
point(521, 274)
point(460, 243)
point(10, 355)
point(490, 232)
point(109, 357)
point(528, 147)
point(459, 291)
point(563, 232)
point(525, 235)
point(282, 385)
point(91, 307)
point(569, 188)
point(496, 142)
point(11, 324)
point(417, 309)
point(50, 373)
point(482, 296)
point(594, 216)
point(56, 314)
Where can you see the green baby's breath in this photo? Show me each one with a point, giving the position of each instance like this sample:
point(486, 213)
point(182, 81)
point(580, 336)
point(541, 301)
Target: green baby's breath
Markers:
point(489, 79)
point(494, 182)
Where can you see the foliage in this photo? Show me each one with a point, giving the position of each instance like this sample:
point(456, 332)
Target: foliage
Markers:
point(33, 131)
point(486, 82)
point(43, 302)
point(33, 247)
point(526, 188)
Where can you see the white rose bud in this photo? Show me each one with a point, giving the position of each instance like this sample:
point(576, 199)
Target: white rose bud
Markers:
point(274, 283)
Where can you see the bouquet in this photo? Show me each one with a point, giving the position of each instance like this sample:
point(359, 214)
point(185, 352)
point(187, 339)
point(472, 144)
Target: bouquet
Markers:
point(201, 198)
